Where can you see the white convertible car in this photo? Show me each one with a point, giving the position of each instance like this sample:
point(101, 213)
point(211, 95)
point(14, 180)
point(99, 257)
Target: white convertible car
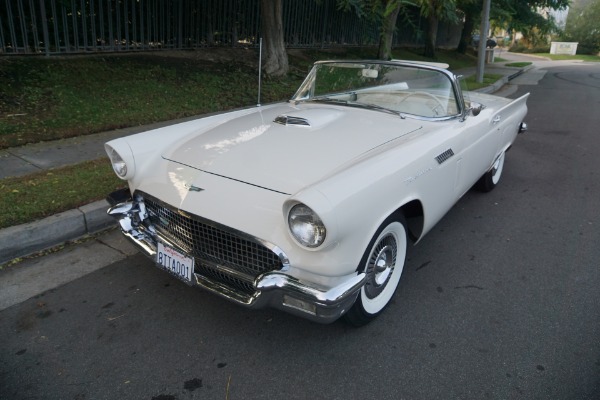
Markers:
point(308, 206)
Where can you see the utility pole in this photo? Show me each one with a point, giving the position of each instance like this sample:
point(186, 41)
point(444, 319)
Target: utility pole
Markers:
point(483, 32)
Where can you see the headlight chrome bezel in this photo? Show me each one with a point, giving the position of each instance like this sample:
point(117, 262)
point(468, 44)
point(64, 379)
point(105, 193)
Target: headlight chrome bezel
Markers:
point(121, 159)
point(306, 227)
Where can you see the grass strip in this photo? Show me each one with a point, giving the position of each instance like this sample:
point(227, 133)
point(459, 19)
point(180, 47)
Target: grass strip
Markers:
point(518, 64)
point(562, 57)
point(25, 199)
point(488, 79)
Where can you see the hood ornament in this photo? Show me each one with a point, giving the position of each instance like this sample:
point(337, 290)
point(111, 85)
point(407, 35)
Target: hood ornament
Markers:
point(193, 188)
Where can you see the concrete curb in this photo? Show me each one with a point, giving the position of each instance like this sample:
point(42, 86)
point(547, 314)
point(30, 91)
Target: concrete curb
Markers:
point(498, 84)
point(22, 240)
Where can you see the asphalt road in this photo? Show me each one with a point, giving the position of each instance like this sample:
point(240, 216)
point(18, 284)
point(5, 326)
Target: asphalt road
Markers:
point(500, 301)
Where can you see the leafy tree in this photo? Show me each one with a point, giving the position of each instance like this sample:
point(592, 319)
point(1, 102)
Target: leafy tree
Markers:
point(524, 17)
point(582, 26)
point(514, 15)
point(471, 12)
point(276, 59)
point(436, 11)
point(389, 17)
point(386, 13)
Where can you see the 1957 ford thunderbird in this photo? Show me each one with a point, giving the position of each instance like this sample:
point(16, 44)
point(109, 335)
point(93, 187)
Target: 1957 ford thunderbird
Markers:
point(309, 205)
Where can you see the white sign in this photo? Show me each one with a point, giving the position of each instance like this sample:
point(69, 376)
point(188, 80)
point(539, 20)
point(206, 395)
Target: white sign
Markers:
point(569, 48)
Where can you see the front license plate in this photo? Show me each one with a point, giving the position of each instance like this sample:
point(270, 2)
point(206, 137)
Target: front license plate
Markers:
point(175, 262)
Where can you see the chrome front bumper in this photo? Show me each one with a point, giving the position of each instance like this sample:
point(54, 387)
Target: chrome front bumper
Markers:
point(275, 289)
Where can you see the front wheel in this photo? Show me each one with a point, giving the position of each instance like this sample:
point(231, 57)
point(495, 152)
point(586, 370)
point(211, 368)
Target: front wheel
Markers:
point(382, 262)
point(490, 179)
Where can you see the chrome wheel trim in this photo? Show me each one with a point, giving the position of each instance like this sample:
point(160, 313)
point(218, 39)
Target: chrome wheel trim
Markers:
point(384, 268)
point(497, 169)
point(381, 265)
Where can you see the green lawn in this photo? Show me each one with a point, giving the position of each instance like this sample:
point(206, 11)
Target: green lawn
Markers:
point(488, 79)
point(52, 98)
point(558, 57)
point(46, 98)
point(42, 194)
point(519, 64)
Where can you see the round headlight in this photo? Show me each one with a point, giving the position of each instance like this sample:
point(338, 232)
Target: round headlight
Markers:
point(306, 226)
point(118, 164)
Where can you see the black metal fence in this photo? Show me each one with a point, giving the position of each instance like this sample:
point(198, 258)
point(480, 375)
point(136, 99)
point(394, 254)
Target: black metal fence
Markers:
point(81, 26)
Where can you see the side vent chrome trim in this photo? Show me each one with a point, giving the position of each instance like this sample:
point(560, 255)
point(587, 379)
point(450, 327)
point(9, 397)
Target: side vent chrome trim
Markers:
point(444, 156)
point(287, 120)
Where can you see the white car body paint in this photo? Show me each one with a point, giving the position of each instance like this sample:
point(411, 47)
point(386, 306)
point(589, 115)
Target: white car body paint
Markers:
point(354, 167)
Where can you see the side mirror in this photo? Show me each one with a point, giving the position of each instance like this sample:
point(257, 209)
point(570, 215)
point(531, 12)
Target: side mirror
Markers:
point(475, 109)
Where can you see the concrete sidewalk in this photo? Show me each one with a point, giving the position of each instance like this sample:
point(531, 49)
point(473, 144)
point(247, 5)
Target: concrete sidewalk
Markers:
point(22, 240)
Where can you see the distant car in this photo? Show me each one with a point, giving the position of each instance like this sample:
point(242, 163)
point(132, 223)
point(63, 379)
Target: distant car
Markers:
point(490, 43)
point(309, 205)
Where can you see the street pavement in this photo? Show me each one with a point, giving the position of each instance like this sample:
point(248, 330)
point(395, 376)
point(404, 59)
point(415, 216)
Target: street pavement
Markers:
point(499, 301)
point(23, 240)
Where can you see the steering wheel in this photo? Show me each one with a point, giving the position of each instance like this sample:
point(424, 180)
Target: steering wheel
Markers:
point(434, 109)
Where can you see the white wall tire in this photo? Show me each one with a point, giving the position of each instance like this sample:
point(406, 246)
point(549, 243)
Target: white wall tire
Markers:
point(383, 263)
point(491, 178)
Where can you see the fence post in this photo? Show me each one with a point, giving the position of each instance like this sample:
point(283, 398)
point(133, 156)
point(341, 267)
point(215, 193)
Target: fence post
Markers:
point(324, 24)
point(45, 25)
point(180, 30)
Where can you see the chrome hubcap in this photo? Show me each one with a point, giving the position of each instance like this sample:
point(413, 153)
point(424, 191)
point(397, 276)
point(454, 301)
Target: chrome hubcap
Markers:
point(497, 169)
point(381, 265)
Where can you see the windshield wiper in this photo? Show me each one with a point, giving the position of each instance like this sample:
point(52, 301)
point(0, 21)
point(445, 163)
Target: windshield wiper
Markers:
point(368, 106)
point(328, 100)
point(376, 107)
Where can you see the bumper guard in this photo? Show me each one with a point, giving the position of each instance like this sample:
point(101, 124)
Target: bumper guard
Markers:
point(273, 289)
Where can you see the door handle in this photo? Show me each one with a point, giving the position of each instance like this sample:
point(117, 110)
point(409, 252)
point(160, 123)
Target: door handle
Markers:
point(496, 119)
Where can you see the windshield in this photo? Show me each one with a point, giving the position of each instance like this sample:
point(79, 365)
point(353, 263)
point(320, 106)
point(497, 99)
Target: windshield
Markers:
point(400, 89)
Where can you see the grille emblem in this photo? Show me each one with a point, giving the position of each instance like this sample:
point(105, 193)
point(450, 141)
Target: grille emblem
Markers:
point(164, 222)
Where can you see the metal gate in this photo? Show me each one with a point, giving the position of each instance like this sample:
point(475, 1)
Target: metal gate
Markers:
point(83, 26)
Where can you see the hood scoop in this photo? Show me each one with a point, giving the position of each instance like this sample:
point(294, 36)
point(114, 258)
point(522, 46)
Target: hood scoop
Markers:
point(314, 118)
point(288, 120)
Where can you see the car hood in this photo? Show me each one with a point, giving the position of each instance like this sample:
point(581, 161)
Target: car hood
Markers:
point(308, 142)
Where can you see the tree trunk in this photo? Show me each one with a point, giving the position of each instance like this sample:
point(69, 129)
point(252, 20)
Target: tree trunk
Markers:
point(431, 35)
point(274, 54)
point(387, 34)
point(467, 31)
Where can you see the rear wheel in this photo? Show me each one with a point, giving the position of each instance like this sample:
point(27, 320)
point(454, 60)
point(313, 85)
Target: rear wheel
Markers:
point(382, 262)
point(490, 179)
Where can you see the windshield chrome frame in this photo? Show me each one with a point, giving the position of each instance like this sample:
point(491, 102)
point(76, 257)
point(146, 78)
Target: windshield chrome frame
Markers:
point(462, 111)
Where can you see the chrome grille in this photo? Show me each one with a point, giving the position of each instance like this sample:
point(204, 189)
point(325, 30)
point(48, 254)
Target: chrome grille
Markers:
point(220, 254)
